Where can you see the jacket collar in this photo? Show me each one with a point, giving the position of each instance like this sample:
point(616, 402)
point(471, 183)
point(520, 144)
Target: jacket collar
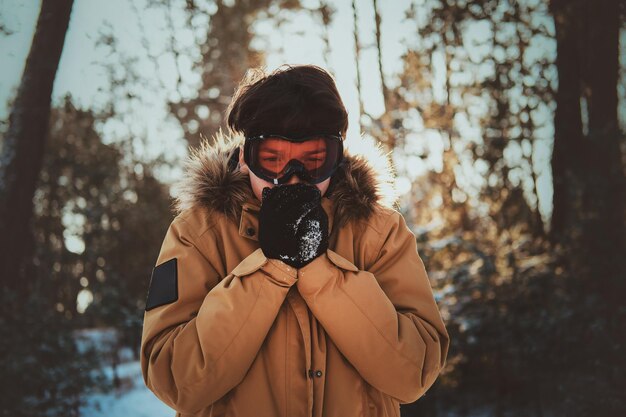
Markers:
point(211, 180)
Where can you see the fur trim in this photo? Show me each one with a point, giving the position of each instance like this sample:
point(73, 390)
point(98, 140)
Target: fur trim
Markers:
point(210, 181)
point(363, 184)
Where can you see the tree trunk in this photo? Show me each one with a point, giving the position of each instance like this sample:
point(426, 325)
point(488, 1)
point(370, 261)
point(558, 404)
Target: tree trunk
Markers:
point(603, 198)
point(23, 146)
point(587, 163)
point(379, 50)
point(567, 150)
point(357, 58)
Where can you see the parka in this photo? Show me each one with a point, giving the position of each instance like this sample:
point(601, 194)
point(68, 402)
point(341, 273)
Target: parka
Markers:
point(228, 332)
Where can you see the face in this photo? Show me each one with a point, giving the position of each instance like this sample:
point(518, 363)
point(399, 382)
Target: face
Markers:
point(259, 184)
point(274, 156)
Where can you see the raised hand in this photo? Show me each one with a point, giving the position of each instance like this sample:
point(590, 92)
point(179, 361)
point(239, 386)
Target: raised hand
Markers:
point(293, 226)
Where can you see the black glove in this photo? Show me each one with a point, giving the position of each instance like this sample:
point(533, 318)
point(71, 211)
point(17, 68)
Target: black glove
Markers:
point(293, 226)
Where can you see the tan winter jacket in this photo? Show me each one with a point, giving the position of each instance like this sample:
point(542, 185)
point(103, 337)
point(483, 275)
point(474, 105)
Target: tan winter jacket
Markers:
point(228, 332)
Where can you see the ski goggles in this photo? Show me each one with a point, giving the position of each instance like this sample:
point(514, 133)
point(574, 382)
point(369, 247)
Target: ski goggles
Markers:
point(275, 158)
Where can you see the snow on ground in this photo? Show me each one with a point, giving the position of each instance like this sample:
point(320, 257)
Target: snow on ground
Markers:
point(132, 398)
point(133, 401)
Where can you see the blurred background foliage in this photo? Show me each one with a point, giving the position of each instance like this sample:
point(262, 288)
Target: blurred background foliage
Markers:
point(533, 303)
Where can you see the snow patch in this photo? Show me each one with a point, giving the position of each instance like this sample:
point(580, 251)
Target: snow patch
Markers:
point(138, 401)
point(310, 241)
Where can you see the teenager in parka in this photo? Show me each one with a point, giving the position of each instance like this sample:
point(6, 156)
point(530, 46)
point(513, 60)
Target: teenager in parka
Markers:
point(251, 312)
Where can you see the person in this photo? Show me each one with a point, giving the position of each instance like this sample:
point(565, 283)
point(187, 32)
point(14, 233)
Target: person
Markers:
point(287, 284)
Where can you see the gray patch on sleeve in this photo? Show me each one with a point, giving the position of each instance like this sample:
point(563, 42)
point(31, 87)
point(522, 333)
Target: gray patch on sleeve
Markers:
point(163, 285)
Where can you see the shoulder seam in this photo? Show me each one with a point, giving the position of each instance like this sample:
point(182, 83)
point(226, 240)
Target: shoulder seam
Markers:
point(381, 240)
point(197, 234)
point(383, 212)
point(193, 237)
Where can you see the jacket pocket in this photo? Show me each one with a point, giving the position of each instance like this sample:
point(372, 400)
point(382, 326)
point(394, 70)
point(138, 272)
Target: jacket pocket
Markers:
point(380, 404)
point(395, 406)
point(369, 409)
point(218, 409)
point(224, 405)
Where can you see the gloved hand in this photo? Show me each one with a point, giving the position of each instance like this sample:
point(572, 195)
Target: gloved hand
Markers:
point(293, 226)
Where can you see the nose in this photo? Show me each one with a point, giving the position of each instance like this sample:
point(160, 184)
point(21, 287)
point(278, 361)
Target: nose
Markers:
point(294, 179)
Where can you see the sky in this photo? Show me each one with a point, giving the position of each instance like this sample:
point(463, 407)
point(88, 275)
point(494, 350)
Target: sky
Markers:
point(80, 73)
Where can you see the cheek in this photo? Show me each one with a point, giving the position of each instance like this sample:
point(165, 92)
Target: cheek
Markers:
point(323, 186)
point(258, 185)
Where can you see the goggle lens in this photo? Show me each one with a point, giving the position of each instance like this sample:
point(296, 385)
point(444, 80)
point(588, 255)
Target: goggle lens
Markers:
point(275, 153)
point(275, 158)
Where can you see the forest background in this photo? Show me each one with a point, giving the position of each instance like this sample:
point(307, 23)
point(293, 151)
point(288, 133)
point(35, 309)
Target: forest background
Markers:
point(504, 120)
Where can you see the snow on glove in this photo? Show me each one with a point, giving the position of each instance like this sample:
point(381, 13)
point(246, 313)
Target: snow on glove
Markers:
point(293, 226)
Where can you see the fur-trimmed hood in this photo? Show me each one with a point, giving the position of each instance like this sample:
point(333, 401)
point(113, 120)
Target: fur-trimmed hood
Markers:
point(212, 180)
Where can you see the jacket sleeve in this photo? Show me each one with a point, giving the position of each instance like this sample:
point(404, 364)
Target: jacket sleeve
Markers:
point(385, 321)
point(198, 347)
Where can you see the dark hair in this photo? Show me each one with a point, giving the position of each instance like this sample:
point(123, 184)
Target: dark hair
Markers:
point(293, 100)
